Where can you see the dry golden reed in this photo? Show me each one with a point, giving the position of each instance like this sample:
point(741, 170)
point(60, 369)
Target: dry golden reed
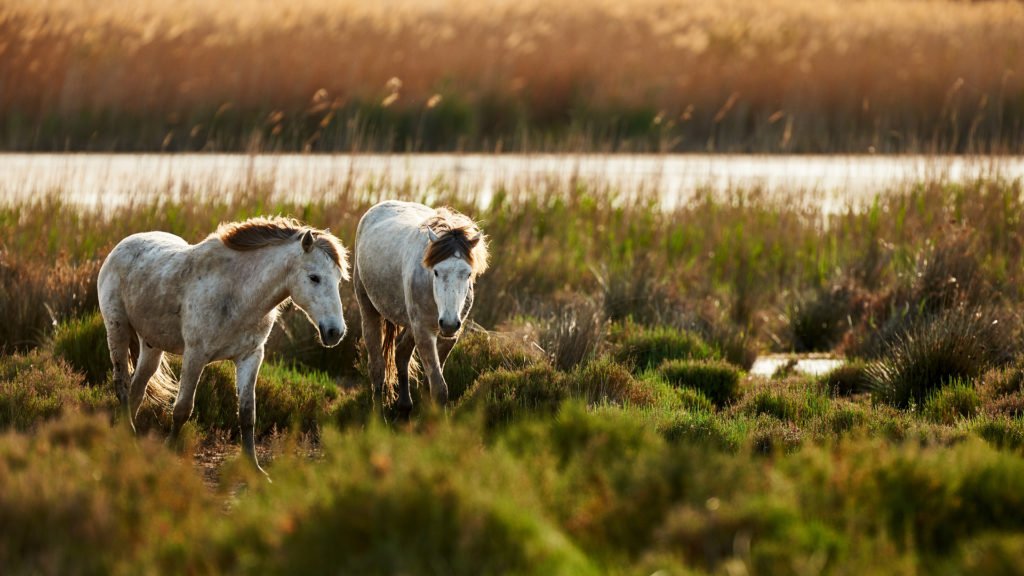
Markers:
point(784, 61)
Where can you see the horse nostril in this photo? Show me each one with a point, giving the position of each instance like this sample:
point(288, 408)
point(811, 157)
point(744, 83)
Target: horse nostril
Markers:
point(440, 323)
point(332, 333)
point(458, 324)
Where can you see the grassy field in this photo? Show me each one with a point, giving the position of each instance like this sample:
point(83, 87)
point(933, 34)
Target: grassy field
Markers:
point(601, 420)
point(737, 75)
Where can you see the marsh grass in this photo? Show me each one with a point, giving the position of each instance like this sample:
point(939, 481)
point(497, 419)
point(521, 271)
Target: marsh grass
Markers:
point(738, 76)
point(717, 380)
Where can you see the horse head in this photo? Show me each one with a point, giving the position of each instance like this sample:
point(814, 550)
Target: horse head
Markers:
point(450, 259)
point(315, 283)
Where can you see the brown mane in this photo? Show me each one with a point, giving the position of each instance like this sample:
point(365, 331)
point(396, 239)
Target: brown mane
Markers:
point(260, 232)
point(454, 231)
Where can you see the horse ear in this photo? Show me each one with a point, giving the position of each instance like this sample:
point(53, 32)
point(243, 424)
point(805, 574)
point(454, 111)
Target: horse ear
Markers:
point(307, 240)
point(475, 239)
point(433, 235)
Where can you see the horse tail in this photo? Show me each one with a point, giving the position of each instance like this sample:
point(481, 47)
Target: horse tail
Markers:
point(163, 387)
point(391, 334)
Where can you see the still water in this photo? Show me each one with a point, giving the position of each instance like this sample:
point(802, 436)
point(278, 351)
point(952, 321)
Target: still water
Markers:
point(832, 182)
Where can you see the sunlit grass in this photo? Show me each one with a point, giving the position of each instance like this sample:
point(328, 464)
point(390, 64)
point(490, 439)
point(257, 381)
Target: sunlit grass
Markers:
point(739, 75)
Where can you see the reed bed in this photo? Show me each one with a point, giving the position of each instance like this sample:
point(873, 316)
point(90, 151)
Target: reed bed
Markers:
point(737, 75)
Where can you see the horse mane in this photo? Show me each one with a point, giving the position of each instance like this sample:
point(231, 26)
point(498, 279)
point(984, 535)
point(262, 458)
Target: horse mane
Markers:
point(454, 231)
point(260, 232)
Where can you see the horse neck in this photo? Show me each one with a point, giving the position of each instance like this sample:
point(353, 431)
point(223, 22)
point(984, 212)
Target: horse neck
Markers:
point(263, 276)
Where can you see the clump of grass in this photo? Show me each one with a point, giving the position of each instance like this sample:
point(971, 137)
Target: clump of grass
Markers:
point(506, 395)
point(647, 348)
point(847, 379)
point(960, 343)
point(37, 387)
point(772, 435)
point(605, 381)
point(952, 402)
point(573, 334)
point(479, 352)
point(717, 380)
point(818, 322)
point(844, 418)
point(706, 429)
point(35, 297)
point(1002, 432)
point(82, 343)
point(797, 399)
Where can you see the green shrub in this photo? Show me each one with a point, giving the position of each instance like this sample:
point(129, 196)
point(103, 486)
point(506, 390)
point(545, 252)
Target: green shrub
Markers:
point(952, 402)
point(719, 381)
point(847, 379)
point(82, 343)
point(940, 497)
point(480, 352)
point(954, 344)
point(604, 381)
point(777, 536)
point(36, 387)
point(694, 400)
point(506, 395)
point(646, 348)
point(382, 503)
point(81, 497)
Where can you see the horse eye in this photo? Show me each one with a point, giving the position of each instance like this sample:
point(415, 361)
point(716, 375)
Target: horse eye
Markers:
point(435, 272)
point(314, 278)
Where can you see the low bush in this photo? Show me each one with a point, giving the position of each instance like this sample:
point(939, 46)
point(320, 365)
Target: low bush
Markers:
point(705, 429)
point(506, 395)
point(646, 348)
point(605, 381)
point(82, 343)
point(480, 352)
point(36, 387)
point(719, 381)
point(82, 497)
point(847, 379)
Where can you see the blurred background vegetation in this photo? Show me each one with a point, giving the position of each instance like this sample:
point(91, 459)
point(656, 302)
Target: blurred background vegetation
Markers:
point(824, 76)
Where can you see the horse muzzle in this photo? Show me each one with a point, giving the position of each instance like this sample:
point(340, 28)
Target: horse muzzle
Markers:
point(449, 329)
point(331, 335)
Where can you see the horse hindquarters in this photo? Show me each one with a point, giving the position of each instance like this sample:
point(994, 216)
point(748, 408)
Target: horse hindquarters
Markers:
point(373, 334)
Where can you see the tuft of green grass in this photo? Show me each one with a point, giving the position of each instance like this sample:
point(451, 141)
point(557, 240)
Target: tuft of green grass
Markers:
point(951, 403)
point(647, 348)
point(717, 380)
point(798, 399)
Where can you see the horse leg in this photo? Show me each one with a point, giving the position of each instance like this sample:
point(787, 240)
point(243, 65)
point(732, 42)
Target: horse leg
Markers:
point(191, 370)
point(119, 335)
point(149, 362)
point(426, 344)
point(373, 337)
point(403, 354)
point(444, 348)
point(246, 369)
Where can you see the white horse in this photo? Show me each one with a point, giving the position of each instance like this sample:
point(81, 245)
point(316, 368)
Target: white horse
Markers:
point(215, 300)
point(413, 276)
